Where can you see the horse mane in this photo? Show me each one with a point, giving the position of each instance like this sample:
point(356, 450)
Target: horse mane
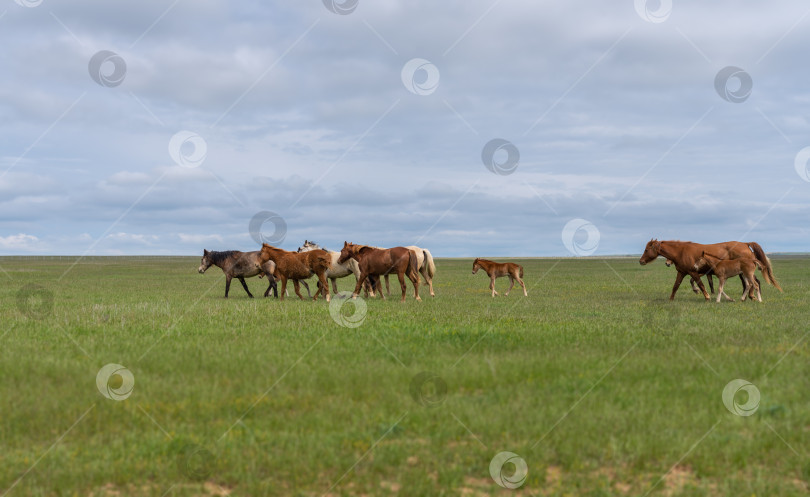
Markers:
point(216, 257)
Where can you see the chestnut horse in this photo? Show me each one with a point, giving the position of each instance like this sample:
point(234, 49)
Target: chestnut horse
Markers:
point(497, 269)
point(375, 262)
point(727, 268)
point(240, 265)
point(299, 266)
point(685, 255)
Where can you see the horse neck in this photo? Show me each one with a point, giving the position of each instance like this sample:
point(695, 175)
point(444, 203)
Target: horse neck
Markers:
point(666, 249)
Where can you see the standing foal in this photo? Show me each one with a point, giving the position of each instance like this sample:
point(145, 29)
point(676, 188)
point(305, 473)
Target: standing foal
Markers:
point(496, 270)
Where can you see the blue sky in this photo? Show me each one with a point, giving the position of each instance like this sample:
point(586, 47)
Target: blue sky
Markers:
point(157, 127)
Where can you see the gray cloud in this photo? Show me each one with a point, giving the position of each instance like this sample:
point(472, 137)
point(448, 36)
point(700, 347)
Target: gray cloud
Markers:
point(303, 111)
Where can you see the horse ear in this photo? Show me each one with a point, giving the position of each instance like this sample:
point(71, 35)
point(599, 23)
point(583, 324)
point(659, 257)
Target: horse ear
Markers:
point(345, 243)
point(205, 252)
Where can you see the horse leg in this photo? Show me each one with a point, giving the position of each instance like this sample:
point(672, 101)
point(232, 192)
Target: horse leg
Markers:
point(525, 294)
point(244, 285)
point(492, 285)
point(694, 286)
point(700, 284)
point(309, 295)
point(414, 277)
point(334, 286)
point(283, 287)
point(378, 285)
point(746, 288)
point(359, 285)
point(227, 284)
point(678, 280)
point(511, 285)
point(297, 288)
point(387, 286)
point(401, 277)
point(711, 284)
point(324, 287)
point(272, 286)
point(720, 289)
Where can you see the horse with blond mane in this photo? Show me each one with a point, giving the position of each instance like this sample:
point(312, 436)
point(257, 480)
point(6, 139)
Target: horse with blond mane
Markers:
point(375, 262)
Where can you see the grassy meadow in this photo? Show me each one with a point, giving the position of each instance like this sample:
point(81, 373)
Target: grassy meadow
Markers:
point(596, 380)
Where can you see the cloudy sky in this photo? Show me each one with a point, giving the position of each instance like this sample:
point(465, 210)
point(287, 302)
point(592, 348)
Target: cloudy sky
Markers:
point(475, 127)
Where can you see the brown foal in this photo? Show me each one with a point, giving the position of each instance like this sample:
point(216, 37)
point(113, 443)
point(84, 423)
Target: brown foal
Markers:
point(497, 269)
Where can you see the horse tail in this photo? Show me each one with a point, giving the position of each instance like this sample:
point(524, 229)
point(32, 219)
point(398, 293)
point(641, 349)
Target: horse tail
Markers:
point(413, 264)
point(429, 264)
point(767, 269)
point(521, 272)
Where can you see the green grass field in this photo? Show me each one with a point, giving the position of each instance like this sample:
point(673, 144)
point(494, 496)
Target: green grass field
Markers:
point(598, 382)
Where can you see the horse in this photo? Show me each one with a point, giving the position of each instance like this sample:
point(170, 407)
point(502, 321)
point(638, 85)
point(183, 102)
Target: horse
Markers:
point(727, 268)
point(426, 267)
point(685, 254)
point(299, 266)
point(498, 269)
point(379, 262)
point(240, 265)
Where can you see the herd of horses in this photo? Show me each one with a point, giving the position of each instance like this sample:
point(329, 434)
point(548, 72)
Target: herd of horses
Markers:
point(371, 264)
point(368, 264)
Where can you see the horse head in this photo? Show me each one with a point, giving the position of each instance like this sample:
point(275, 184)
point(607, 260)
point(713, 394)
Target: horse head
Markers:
point(347, 252)
point(205, 262)
point(476, 266)
point(650, 252)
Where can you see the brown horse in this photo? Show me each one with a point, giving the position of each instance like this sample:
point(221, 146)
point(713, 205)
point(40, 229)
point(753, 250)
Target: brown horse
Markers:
point(686, 254)
point(727, 268)
point(299, 266)
point(497, 269)
point(375, 262)
point(240, 265)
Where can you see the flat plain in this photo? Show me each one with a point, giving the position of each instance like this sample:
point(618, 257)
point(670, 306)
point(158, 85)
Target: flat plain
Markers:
point(596, 380)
